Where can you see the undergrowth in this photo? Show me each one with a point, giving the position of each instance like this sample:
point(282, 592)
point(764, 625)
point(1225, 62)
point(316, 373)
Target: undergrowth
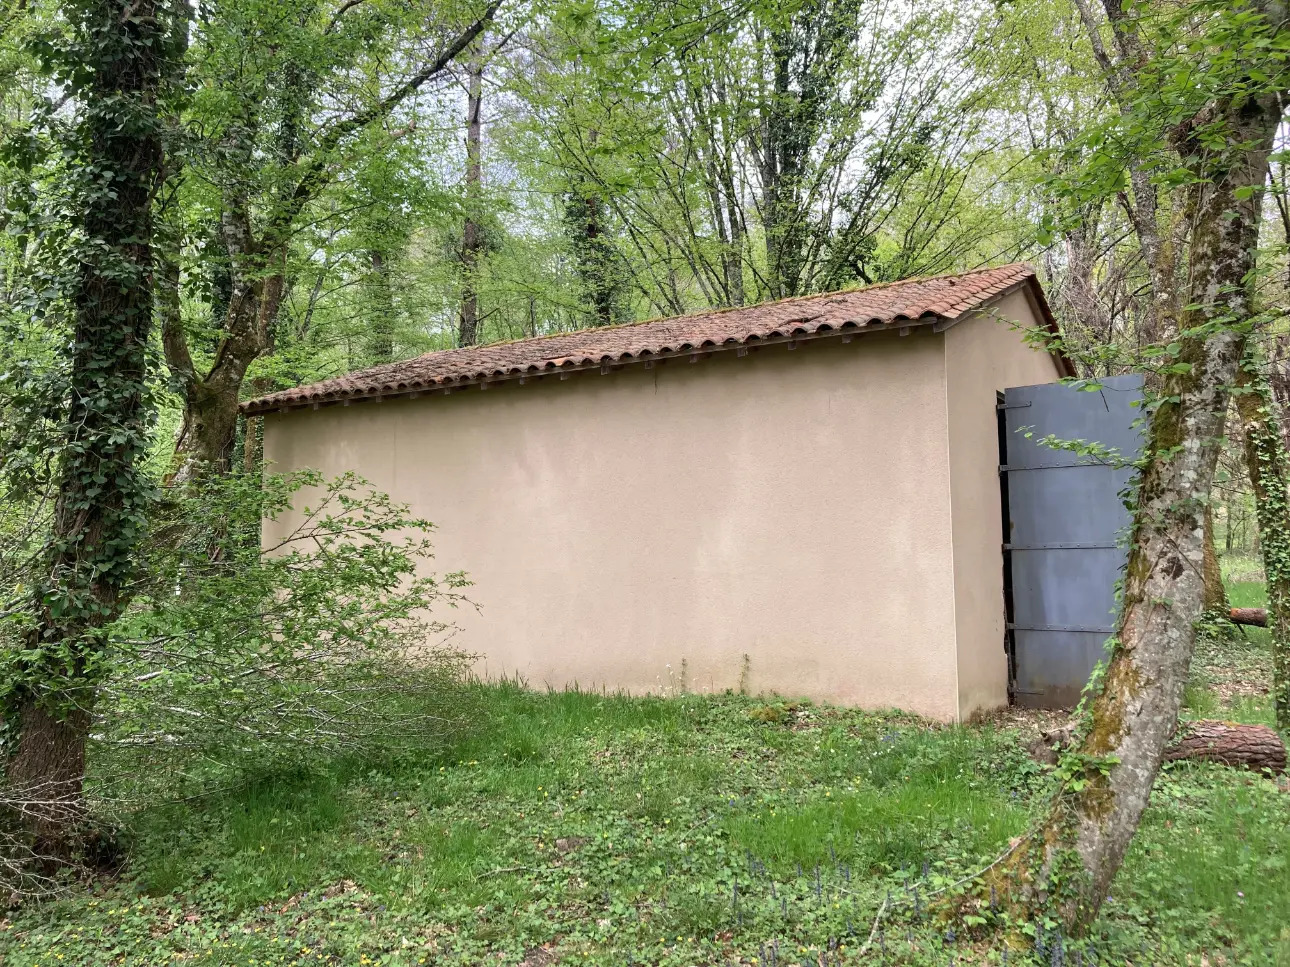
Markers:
point(578, 828)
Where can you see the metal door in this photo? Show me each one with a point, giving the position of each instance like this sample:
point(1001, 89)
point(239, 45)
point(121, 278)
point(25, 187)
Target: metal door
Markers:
point(1065, 527)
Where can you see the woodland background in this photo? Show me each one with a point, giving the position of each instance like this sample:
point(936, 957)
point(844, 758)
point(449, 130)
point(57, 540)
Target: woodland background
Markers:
point(220, 755)
point(588, 164)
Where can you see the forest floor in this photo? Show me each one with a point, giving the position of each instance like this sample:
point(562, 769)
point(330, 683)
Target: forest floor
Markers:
point(574, 828)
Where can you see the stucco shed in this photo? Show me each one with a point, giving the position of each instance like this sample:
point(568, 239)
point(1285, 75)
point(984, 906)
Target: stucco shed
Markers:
point(800, 497)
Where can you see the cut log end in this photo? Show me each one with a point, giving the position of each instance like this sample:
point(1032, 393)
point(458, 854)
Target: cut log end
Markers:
point(1258, 617)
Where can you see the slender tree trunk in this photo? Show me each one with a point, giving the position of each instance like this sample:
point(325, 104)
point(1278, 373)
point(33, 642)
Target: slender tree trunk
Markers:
point(102, 496)
point(1215, 592)
point(472, 241)
point(250, 443)
point(1265, 458)
point(1070, 862)
point(773, 203)
point(380, 347)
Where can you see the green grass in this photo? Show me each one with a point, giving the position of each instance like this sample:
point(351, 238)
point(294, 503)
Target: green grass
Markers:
point(1231, 672)
point(577, 828)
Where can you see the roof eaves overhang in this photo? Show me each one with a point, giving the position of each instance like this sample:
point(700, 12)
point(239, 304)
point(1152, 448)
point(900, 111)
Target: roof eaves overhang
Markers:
point(844, 334)
point(561, 368)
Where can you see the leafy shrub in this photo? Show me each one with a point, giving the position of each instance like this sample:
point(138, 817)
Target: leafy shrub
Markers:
point(326, 643)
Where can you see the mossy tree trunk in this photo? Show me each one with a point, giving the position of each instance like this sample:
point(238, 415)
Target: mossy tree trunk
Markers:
point(1265, 458)
point(1215, 592)
point(1069, 863)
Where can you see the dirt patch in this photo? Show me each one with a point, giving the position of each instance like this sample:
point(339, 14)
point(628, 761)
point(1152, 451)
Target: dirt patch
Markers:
point(569, 844)
point(1028, 720)
point(539, 957)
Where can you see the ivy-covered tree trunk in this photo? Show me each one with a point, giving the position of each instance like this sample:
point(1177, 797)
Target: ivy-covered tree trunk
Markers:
point(380, 335)
point(1071, 860)
point(1265, 458)
point(103, 493)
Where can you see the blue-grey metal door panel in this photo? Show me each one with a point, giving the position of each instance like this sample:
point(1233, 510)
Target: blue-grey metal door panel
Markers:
point(1065, 588)
point(1081, 493)
point(1055, 667)
point(1066, 520)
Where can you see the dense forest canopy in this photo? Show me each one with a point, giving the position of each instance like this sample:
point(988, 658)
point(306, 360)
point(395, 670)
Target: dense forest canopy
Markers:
point(632, 160)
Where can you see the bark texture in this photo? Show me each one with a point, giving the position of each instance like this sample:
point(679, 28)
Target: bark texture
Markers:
point(1258, 617)
point(1265, 460)
point(1069, 867)
point(46, 775)
point(1254, 747)
point(1215, 591)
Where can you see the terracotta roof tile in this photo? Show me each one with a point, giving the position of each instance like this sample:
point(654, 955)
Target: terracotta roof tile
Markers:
point(908, 303)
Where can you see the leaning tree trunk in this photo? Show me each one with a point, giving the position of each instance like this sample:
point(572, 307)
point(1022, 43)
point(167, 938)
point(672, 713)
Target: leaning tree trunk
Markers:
point(1067, 868)
point(102, 497)
point(1265, 459)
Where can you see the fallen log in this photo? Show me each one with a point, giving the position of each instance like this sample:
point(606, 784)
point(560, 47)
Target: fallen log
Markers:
point(1258, 617)
point(1255, 747)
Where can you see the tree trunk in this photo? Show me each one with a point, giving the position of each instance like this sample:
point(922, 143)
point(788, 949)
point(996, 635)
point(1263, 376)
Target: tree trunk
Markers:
point(44, 778)
point(380, 344)
point(257, 261)
point(250, 443)
point(1265, 460)
point(209, 432)
point(1254, 747)
point(776, 208)
point(1067, 869)
point(1258, 617)
point(102, 492)
point(1215, 592)
point(472, 240)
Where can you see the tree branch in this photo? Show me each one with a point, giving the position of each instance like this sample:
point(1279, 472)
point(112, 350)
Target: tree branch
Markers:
point(315, 175)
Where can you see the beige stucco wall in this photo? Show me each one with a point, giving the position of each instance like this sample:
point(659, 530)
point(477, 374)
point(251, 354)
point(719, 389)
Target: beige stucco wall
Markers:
point(982, 356)
point(647, 529)
point(791, 506)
